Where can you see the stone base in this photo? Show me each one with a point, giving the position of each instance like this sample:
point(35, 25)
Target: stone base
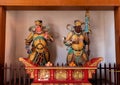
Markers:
point(62, 84)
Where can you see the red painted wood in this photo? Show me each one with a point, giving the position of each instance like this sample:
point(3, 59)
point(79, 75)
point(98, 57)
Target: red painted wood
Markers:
point(85, 75)
point(69, 75)
point(51, 75)
point(35, 75)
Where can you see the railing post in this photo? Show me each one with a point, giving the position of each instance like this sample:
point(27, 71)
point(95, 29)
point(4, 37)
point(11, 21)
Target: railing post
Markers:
point(96, 76)
point(10, 80)
point(5, 74)
point(100, 74)
point(19, 74)
point(27, 79)
point(14, 75)
point(105, 73)
point(110, 80)
point(24, 77)
point(115, 79)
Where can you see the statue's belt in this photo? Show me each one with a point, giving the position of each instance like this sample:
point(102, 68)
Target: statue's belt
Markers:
point(39, 37)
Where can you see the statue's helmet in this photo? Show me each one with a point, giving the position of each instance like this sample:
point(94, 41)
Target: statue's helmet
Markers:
point(38, 22)
point(77, 27)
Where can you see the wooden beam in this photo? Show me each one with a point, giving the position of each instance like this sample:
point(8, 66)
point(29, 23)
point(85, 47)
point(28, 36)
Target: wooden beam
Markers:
point(2, 35)
point(117, 33)
point(59, 2)
point(57, 8)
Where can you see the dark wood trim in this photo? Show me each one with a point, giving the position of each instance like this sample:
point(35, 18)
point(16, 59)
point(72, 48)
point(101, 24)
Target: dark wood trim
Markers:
point(57, 8)
point(59, 2)
point(2, 42)
point(117, 33)
point(2, 34)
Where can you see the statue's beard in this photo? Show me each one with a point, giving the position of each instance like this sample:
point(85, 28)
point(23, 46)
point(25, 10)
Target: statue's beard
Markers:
point(77, 29)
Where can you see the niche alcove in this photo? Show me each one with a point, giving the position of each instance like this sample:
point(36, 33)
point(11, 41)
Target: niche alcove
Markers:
point(64, 5)
point(102, 38)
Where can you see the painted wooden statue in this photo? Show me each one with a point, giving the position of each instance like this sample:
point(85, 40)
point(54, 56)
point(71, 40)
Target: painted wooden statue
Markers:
point(77, 40)
point(37, 39)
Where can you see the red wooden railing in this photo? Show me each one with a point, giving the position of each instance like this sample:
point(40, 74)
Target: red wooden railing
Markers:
point(106, 74)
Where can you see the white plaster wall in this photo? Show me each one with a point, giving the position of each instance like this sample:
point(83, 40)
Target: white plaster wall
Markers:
point(109, 38)
point(102, 38)
point(10, 44)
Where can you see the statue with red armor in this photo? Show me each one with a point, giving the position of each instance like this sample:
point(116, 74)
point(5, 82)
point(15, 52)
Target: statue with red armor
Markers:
point(36, 44)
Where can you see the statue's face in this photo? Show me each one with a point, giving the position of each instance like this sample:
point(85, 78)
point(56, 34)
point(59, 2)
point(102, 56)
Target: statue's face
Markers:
point(77, 29)
point(37, 23)
point(78, 23)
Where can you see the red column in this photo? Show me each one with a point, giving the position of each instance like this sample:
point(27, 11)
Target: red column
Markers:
point(85, 75)
point(69, 74)
point(35, 75)
point(51, 74)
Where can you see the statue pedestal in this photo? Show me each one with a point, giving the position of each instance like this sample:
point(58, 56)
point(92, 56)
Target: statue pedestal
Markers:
point(61, 75)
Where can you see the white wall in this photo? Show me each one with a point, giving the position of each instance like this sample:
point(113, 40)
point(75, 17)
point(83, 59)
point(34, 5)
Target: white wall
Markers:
point(102, 38)
point(10, 44)
point(109, 38)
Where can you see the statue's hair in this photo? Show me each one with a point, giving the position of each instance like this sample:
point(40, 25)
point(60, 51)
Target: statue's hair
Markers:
point(39, 21)
point(76, 21)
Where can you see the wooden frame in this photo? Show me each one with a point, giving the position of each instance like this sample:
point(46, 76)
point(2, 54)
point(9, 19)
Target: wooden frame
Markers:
point(2, 34)
point(59, 2)
point(58, 5)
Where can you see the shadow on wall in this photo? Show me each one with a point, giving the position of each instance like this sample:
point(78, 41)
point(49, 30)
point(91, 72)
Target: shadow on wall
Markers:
point(52, 45)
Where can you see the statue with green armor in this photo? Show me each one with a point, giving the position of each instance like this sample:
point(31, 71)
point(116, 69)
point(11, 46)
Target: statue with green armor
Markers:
point(36, 44)
point(77, 41)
